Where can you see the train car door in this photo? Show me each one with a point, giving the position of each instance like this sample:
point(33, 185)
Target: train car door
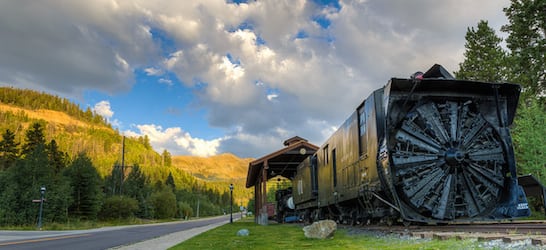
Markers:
point(314, 176)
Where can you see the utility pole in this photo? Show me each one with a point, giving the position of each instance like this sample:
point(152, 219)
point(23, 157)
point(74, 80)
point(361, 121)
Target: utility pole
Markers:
point(122, 163)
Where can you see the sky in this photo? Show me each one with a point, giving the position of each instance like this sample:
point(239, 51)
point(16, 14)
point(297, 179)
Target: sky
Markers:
point(224, 76)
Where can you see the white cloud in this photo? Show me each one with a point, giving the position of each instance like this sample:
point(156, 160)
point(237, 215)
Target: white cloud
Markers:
point(165, 81)
point(272, 97)
point(230, 56)
point(103, 109)
point(153, 71)
point(176, 141)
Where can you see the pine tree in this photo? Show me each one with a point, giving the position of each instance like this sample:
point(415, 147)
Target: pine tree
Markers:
point(485, 60)
point(56, 157)
point(112, 183)
point(8, 150)
point(529, 140)
point(166, 158)
point(169, 182)
point(34, 138)
point(527, 42)
point(85, 186)
point(137, 187)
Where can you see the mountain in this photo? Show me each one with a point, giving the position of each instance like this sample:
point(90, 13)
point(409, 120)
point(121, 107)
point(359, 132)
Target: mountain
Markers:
point(218, 167)
point(76, 131)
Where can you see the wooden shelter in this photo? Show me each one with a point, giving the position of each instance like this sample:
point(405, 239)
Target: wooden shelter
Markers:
point(283, 162)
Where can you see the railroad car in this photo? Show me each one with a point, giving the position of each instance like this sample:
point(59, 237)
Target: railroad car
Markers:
point(429, 148)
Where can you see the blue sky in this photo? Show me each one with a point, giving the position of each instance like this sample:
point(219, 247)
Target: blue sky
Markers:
point(214, 76)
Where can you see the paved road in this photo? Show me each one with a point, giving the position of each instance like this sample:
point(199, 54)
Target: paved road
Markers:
point(102, 238)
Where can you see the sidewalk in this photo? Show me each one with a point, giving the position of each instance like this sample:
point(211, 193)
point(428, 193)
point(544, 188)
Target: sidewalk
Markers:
point(170, 240)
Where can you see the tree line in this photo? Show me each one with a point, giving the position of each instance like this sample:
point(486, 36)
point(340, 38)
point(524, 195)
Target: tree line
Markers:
point(34, 100)
point(76, 190)
point(523, 62)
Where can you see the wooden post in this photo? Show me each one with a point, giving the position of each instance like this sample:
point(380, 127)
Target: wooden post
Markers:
point(257, 201)
point(264, 193)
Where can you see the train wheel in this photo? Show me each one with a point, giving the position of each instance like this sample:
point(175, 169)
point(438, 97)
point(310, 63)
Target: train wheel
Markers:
point(448, 160)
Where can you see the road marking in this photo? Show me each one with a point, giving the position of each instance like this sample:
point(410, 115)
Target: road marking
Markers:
point(43, 239)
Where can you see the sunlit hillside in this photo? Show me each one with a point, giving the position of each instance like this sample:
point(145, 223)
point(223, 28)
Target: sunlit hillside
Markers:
point(219, 167)
point(77, 131)
point(44, 114)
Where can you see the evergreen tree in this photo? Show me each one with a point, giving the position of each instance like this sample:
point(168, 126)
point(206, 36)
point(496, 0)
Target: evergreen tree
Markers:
point(169, 182)
point(56, 157)
point(112, 183)
point(8, 150)
point(85, 184)
point(484, 58)
point(529, 140)
point(24, 184)
point(167, 159)
point(34, 138)
point(136, 186)
point(527, 42)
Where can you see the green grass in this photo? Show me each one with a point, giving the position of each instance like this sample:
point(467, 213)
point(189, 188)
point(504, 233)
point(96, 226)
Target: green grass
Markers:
point(291, 236)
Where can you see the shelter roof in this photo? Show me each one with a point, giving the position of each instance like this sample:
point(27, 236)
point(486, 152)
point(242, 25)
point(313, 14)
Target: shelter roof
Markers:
point(282, 162)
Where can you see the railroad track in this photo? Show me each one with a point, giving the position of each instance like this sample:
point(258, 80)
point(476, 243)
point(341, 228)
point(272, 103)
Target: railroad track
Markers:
point(508, 232)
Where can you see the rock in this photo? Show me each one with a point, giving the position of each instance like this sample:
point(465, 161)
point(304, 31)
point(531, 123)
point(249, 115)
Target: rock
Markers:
point(243, 232)
point(321, 229)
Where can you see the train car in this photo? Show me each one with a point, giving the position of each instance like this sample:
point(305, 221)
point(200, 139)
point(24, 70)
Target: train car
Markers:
point(428, 148)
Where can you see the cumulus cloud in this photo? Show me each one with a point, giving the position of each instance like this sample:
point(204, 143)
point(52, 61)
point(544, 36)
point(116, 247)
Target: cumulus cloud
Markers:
point(262, 70)
point(176, 141)
point(103, 109)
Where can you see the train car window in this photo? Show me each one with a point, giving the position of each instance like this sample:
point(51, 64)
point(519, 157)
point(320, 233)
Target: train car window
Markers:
point(334, 167)
point(362, 129)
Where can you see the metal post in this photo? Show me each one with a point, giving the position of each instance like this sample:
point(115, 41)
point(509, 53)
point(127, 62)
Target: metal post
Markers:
point(42, 192)
point(230, 203)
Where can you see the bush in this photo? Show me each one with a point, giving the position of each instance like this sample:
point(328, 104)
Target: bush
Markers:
point(184, 210)
point(164, 204)
point(118, 207)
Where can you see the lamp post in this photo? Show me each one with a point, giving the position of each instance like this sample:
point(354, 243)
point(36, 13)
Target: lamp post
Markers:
point(231, 203)
point(42, 192)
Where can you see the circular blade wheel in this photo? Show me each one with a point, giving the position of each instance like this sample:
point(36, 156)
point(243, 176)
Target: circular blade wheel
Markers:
point(448, 160)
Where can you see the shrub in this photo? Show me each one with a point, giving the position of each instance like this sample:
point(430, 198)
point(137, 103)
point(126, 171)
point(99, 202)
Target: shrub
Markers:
point(118, 207)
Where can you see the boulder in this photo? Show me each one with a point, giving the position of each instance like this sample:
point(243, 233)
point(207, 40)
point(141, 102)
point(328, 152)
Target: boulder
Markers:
point(243, 232)
point(321, 229)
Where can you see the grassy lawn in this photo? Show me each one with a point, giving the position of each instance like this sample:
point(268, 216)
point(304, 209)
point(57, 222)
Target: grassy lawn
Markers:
point(289, 236)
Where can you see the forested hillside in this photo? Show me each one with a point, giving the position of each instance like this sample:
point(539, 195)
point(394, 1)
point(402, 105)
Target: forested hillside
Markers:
point(47, 140)
point(218, 167)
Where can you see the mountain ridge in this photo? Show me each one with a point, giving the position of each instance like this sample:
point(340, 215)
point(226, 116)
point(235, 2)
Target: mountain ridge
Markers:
point(217, 167)
point(17, 117)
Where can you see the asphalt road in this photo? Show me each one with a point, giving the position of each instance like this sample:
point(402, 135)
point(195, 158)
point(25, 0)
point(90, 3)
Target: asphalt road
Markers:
point(102, 238)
